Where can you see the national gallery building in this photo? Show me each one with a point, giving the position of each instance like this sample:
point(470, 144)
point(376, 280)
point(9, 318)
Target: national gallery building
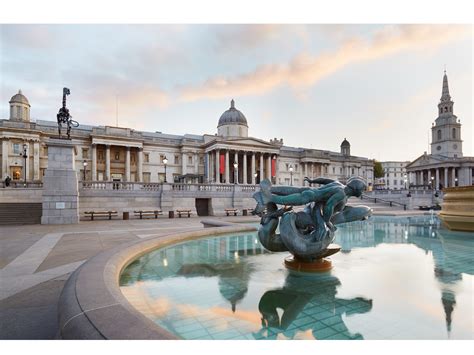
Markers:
point(105, 153)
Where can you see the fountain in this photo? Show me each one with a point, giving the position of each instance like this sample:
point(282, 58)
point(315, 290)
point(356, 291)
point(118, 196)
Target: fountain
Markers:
point(307, 234)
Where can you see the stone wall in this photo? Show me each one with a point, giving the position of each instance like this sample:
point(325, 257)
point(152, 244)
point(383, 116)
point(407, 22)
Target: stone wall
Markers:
point(18, 195)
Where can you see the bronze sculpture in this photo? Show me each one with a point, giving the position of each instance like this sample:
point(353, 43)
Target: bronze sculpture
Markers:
point(64, 116)
point(307, 234)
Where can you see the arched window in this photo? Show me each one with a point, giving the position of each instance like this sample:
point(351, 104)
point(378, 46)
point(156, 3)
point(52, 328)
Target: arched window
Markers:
point(18, 111)
point(439, 134)
point(445, 108)
point(454, 132)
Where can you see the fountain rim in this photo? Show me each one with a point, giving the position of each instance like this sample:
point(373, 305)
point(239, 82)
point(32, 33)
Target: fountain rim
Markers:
point(91, 305)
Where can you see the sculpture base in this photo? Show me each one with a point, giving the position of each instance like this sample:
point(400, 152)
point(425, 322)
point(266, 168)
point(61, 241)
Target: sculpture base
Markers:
point(318, 265)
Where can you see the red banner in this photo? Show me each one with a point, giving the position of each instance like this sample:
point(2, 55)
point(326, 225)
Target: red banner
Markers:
point(222, 164)
point(273, 167)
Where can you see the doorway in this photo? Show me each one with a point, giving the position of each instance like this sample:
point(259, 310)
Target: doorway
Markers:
point(202, 206)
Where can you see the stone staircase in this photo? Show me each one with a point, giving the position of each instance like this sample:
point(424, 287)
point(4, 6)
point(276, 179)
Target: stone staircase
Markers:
point(376, 207)
point(20, 213)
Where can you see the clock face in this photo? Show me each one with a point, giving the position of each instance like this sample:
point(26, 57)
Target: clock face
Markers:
point(455, 146)
point(438, 147)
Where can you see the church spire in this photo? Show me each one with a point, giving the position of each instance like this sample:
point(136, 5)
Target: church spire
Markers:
point(445, 92)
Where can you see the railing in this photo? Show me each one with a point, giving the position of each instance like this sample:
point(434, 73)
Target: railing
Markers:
point(178, 187)
point(22, 184)
point(120, 185)
point(378, 199)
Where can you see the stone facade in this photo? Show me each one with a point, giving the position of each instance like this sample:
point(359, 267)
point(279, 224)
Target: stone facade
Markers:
point(395, 176)
point(445, 166)
point(124, 154)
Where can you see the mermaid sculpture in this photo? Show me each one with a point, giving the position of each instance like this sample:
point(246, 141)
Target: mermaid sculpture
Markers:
point(307, 234)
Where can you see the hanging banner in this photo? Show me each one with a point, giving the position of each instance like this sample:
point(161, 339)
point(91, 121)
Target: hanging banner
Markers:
point(273, 167)
point(222, 164)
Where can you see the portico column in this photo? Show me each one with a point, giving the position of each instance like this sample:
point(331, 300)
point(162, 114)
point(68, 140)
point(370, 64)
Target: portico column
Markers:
point(207, 167)
point(183, 163)
point(127, 164)
point(445, 177)
point(218, 180)
point(437, 179)
point(94, 162)
point(244, 180)
point(253, 168)
point(453, 176)
point(269, 167)
point(107, 162)
point(5, 171)
point(36, 161)
point(196, 163)
point(227, 167)
point(429, 177)
point(236, 171)
point(261, 175)
point(140, 165)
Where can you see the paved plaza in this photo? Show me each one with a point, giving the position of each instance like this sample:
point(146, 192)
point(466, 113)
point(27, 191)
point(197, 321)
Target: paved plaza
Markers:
point(36, 261)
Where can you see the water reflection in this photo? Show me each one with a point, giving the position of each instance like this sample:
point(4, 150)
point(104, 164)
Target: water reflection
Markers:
point(230, 287)
point(308, 303)
point(452, 252)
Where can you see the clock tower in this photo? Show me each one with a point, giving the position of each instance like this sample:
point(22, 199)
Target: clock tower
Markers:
point(446, 130)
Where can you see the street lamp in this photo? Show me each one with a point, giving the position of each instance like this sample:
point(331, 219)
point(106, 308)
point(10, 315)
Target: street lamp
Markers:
point(291, 175)
point(236, 165)
point(85, 167)
point(255, 175)
point(24, 155)
point(455, 181)
point(165, 161)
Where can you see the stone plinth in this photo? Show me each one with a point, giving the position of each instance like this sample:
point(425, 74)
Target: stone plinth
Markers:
point(60, 189)
point(458, 208)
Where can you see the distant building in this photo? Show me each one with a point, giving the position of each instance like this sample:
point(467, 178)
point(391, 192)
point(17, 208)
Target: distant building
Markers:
point(124, 154)
point(445, 166)
point(395, 176)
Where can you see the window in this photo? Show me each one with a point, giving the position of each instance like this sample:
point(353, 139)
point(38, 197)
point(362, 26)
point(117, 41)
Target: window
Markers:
point(132, 158)
point(100, 155)
point(333, 170)
point(439, 134)
point(117, 155)
point(16, 148)
point(296, 167)
point(326, 169)
point(190, 159)
point(340, 170)
point(454, 132)
point(85, 153)
point(146, 177)
point(176, 159)
point(18, 112)
point(352, 171)
point(147, 157)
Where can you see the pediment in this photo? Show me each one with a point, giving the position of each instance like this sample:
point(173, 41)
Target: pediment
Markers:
point(424, 160)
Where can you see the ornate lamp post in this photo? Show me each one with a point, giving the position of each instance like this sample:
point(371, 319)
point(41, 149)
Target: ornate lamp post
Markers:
point(24, 154)
point(85, 167)
point(455, 181)
point(236, 165)
point(291, 175)
point(256, 174)
point(165, 161)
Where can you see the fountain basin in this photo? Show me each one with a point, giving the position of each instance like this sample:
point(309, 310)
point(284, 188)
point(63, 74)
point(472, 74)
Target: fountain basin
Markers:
point(458, 208)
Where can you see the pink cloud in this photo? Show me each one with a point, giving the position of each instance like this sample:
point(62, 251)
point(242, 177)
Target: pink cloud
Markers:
point(305, 69)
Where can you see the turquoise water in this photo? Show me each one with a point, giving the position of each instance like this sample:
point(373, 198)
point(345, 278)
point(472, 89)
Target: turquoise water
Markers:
point(395, 278)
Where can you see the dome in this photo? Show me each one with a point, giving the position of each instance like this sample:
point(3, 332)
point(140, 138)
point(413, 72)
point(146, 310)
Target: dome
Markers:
point(232, 117)
point(345, 143)
point(19, 98)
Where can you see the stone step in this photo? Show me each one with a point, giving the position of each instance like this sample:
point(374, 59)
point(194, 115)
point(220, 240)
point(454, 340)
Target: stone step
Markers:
point(20, 213)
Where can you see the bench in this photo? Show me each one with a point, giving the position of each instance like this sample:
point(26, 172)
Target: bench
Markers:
point(101, 214)
point(149, 213)
point(184, 212)
point(228, 211)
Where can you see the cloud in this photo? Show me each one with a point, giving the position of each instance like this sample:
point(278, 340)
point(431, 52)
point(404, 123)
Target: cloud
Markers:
point(29, 36)
point(305, 69)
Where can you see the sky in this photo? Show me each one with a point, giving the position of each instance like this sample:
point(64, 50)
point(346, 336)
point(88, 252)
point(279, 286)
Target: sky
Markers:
point(312, 85)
